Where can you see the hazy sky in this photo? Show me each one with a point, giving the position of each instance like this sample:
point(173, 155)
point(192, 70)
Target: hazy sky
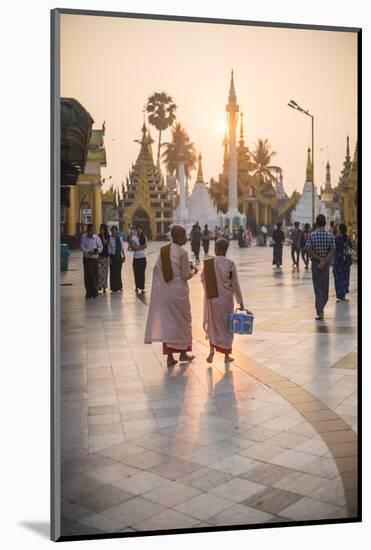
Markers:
point(112, 65)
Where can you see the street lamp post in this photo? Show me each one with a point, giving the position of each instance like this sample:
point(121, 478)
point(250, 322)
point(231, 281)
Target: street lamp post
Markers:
point(297, 107)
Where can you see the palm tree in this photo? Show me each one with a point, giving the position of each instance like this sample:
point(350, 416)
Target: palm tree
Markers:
point(161, 114)
point(261, 161)
point(180, 145)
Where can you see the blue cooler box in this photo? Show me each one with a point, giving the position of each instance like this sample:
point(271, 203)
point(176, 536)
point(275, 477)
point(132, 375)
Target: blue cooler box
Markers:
point(241, 322)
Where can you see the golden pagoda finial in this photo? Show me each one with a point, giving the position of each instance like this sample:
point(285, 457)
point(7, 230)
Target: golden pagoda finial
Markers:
point(328, 176)
point(200, 177)
point(309, 171)
point(232, 90)
point(232, 98)
point(145, 143)
point(348, 150)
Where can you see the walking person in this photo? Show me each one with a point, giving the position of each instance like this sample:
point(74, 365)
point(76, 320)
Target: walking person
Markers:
point(139, 244)
point(264, 231)
point(342, 263)
point(221, 287)
point(278, 240)
point(169, 314)
point(303, 245)
point(249, 236)
point(206, 236)
point(91, 246)
point(103, 260)
point(196, 237)
point(241, 237)
point(321, 249)
point(117, 257)
point(295, 237)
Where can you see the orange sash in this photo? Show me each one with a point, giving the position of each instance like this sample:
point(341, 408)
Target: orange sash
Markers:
point(210, 279)
point(167, 270)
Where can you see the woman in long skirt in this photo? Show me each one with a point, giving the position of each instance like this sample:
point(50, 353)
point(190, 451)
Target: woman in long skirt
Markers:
point(342, 263)
point(103, 258)
point(117, 258)
point(278, 240)
point(139, 244)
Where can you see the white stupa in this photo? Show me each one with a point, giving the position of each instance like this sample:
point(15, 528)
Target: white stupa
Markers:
point(303, 209)
point(200, 207)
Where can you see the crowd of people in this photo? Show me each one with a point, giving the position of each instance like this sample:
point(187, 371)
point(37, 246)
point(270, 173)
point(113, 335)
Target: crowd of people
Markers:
point(203, 236)
point(325, 248)
point(104, 255)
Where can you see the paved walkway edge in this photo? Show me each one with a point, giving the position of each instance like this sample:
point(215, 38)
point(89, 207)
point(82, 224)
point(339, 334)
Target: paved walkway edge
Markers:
point(339, 437)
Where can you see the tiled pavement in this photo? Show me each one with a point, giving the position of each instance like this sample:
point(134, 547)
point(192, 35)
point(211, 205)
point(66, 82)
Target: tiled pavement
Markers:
point(272, 438)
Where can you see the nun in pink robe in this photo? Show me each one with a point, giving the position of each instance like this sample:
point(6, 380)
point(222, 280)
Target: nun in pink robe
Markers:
point(169, 314)
point(220, 280)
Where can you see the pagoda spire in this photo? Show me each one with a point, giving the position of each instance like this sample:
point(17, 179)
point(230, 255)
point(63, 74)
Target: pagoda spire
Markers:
point(347, 165)
point(232, 99)
point(347, 156)
point(242, 143)
point(145, 152)
point(328, 177)
point(309, 171)
point(354, 170)
point(232, 116)
point(200, 177)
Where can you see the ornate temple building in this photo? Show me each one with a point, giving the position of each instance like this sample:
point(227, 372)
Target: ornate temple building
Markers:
point(303, 210)
point(345, 194)
point(349, 194)
point(146, 199)
point(328, 198)
point(85, 202)
point(345, 172)
point(198, 207)
point(238, 194)
point(110, 206)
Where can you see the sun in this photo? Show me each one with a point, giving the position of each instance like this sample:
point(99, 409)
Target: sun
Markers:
point(221, 126)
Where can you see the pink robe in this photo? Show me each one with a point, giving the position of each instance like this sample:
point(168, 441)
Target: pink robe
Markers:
point(169, 314)
point(216, 310)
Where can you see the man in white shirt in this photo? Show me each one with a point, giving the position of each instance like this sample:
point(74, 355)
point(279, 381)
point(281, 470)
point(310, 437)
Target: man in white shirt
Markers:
point(91, 246)
point(117, 257)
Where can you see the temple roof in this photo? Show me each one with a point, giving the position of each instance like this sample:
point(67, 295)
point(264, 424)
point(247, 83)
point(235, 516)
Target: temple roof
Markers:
point(145, 153)
point(200, 177)
point(347, 165)
point(353, 176)
point(76, 124)
point(328, 192)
